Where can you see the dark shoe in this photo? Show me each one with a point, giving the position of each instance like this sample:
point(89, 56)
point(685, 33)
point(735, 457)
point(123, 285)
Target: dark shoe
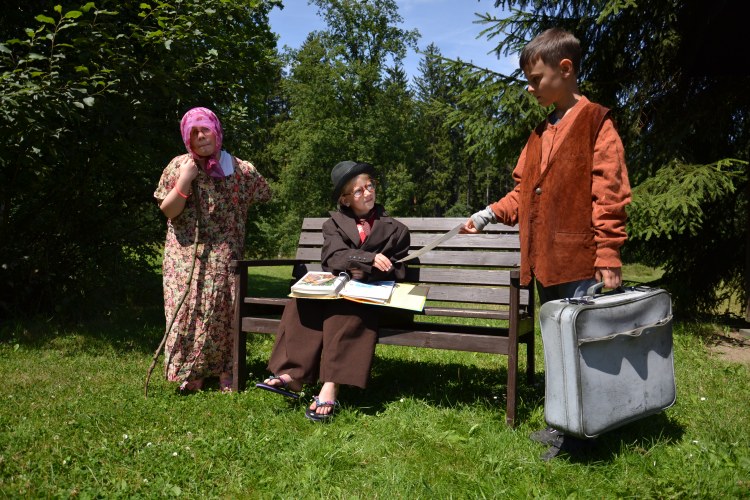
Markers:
point(278, 389)
point(545, 436)
point(569, 445)
point(321, 417)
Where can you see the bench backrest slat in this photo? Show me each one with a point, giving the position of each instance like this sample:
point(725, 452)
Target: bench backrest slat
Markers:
point(480, 264)
point(419, 224)
point(440, 258)
point(418, 240)
point(472, 295)
point(449, 275)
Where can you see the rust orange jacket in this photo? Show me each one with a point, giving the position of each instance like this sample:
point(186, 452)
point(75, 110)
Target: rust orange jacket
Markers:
point(570, 196)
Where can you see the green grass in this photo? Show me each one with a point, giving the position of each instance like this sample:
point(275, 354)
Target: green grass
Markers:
point(74, 422)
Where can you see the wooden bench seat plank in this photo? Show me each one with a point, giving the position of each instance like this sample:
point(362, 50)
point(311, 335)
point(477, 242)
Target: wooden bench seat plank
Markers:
point(427, 338)
point(438, 339)
point(458, 312)
point(466, 313)
point(267, 301)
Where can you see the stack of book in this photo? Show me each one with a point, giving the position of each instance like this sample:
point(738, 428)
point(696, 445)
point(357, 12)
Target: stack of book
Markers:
point(325, 285)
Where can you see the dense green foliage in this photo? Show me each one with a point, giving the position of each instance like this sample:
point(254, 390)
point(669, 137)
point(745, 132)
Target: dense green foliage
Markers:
point(89, 115)
point(678, 97)
point(346, 93)
point(91, 95)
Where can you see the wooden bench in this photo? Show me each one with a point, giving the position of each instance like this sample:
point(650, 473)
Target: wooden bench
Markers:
point(469, 276)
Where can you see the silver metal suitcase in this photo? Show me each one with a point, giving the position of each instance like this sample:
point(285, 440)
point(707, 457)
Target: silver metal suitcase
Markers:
point(608, 359)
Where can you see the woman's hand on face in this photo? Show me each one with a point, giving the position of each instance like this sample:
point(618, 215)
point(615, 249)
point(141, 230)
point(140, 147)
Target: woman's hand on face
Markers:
point(382, 262)
point(188, 171)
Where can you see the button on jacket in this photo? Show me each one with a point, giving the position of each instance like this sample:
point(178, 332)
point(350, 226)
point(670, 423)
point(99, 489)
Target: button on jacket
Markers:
point(569, 201)
point(342, 249)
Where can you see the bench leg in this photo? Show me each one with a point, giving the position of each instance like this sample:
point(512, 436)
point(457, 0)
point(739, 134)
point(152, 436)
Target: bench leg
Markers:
point(239, 338)
point(239, 361)
point(511, 395)
point(512, 390)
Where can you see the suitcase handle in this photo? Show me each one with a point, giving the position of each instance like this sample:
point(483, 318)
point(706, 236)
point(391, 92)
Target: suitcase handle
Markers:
point(596, 287)
point(587, 299)
point(630, 333)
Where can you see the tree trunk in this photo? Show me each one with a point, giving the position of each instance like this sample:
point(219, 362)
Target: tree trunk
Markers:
point(747, 250)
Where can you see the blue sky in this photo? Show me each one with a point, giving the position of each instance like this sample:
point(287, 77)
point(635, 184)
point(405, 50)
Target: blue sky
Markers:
point(447, 23)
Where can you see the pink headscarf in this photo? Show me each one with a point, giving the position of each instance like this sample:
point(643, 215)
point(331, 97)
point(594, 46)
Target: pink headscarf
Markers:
point(203, 117)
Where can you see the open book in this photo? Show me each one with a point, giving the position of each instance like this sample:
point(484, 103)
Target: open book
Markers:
point(325, 285)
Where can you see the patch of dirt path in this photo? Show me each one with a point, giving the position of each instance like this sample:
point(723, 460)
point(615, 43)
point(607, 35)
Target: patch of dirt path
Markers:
point(732, 346)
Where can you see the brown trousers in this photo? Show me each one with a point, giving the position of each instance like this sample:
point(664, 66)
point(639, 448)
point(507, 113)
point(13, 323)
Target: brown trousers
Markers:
point(326, 340)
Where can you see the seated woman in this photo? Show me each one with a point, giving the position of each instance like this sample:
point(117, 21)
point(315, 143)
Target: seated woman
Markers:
point(334, 340)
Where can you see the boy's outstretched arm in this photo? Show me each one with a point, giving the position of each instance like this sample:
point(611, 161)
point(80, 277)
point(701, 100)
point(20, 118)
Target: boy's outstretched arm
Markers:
point(477, 222)
point(505, 210)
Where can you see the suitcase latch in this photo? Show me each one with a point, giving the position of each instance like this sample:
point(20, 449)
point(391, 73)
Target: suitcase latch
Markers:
point(586, 301)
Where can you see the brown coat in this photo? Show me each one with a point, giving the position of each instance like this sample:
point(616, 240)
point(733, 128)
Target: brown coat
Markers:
point(334, 340)
point(342, 249)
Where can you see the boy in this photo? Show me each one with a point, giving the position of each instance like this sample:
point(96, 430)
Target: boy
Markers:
point(571, 189)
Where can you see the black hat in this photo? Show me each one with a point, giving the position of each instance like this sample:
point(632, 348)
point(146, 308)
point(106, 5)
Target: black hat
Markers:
point(344, 171)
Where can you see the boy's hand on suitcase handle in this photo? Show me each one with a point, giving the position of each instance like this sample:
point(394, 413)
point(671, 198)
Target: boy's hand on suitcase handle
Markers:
point(611, 276)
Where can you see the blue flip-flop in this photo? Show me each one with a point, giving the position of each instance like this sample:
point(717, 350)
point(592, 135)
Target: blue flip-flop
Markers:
point(278, 389)
point(320, 417)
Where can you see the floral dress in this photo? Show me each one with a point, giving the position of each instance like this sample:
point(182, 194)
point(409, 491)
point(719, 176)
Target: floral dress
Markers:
point(199, 344)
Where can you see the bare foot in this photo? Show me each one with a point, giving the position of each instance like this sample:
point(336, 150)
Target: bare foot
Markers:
point(284, 381)
point(191, 385)
point(328, 392)
point(225, 382)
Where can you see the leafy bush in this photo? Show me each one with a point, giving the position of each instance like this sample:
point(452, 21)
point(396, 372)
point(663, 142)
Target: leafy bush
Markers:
point(90, 104)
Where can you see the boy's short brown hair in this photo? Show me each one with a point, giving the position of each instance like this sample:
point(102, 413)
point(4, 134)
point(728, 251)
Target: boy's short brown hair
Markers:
point(552, 46)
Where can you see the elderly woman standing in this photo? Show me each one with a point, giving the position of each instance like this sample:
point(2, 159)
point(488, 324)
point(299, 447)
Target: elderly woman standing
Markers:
point(333, 341)
point(209, 191)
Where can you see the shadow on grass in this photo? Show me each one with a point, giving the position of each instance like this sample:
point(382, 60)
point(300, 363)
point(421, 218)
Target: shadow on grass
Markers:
point(440, 384)
point(641, 436)
point(453, 385)
point(135, 324)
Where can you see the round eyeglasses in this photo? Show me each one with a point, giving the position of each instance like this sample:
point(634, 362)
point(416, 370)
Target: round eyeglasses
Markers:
point(360, 191)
